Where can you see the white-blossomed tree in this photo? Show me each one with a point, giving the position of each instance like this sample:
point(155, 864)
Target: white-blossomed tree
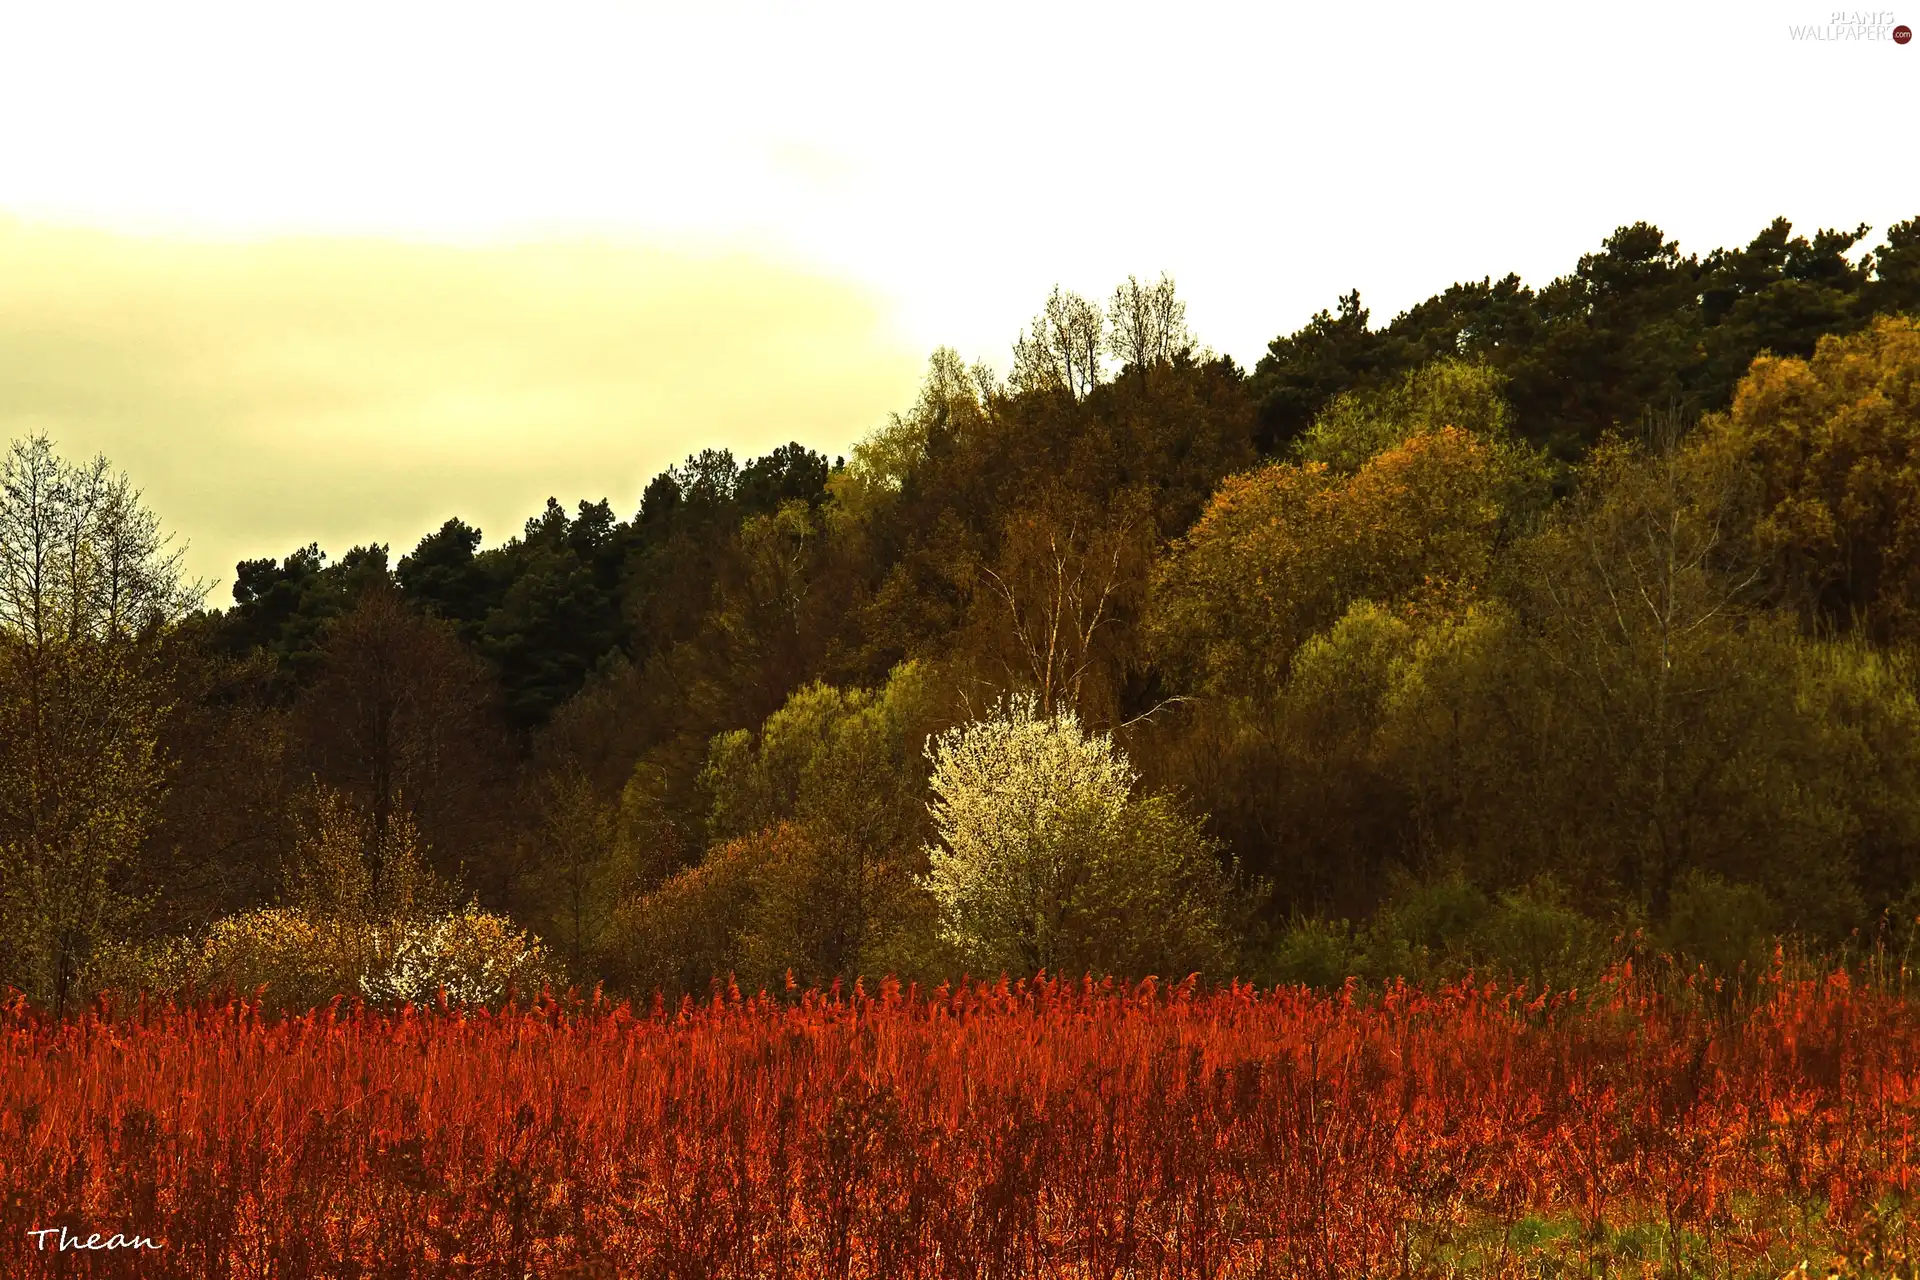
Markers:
point(1046, 858)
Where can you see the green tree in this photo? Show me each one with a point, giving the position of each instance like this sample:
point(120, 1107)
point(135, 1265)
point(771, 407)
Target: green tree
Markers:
point(844, 769)
point(560, 614)
point(1633, 327)
point(1340, 815)
point(1629, 711)
point(1357, 426)
point(815, 829)
point(1300, 373)
point(1779, 295)
point(1895, 286)
point(284, 607)
point(584, 869)
point(444, 575)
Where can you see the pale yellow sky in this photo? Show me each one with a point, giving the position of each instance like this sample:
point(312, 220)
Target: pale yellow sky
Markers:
point(357, 266)
point(270, 394)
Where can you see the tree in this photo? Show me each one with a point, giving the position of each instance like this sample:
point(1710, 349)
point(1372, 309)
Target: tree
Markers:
point(1895, 286)
point(284, 607)
point(1640, 592)
point(445, 576)
point(404, 719)
point(975, 481)
point(1149, 325)
point(1280, 553)
point(1835, 445)
point(1042, 847)
point(1780, 294)
point(1620, 336)
point(560, 615)
point(582, 872)
point(88, 587)
point(767, 608)
point(1862, 706)
point(1067, 583)
point(1061, 352)
point(1332, 353)
point(222, 823)
point(1634, 326)
point(1338, 812)
point(844, 771)
point(349, 867)
point(1629, 711)
point(791, 473)
point(1357, 426)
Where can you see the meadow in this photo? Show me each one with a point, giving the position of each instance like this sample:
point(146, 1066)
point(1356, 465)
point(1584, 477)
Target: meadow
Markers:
point(1048, 1128)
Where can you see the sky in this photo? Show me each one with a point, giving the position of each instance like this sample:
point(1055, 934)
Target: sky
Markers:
point(338, 272)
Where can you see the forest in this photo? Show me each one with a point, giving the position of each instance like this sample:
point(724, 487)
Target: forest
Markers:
point(1536, 627)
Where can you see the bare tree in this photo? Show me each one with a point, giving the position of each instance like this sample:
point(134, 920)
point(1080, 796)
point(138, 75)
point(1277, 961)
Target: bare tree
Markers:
point(1149, 324)
point(1645, 592)
point(80, 556)
point(1064, 581)
point(87, 584)
point(1061, 352)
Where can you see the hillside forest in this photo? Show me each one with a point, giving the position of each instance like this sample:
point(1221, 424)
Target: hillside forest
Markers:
point(1532, 625)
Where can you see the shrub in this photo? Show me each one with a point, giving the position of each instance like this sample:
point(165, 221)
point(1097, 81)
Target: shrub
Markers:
point(1729, 928)
point(1446, 928)
point(1315, 952)
point(305, 958)
point(474, 956)
point(1154, 900)
point(780, 899)
point(1533, 936)
point(1423, 930)
point(679, 935)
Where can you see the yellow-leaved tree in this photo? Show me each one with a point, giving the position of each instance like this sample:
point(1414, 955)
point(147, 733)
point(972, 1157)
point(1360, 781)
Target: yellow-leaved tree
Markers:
point(1835, 441)
point(1280, 553)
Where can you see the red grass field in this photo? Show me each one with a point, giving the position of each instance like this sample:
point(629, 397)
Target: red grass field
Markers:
point(1047, 1129)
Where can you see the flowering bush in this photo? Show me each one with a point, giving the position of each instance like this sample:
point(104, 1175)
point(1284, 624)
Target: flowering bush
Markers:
point(1047, 860)
point(472, 955)
point(304, 958)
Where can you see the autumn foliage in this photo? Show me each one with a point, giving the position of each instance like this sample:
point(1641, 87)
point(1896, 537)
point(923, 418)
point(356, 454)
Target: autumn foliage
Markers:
point(1048, 1128)
point(1281, 552)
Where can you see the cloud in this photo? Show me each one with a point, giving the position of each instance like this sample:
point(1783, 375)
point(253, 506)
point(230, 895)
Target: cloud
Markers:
point(272, 393)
